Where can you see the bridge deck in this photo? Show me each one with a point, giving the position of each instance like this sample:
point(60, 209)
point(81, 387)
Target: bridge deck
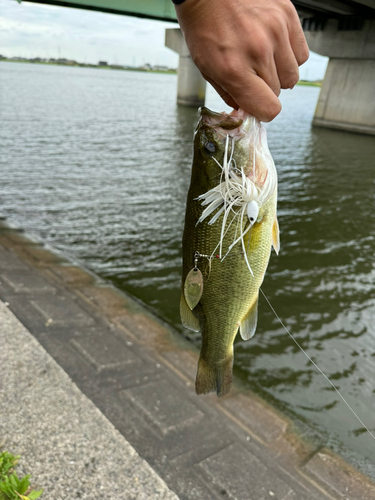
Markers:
point(163, 10)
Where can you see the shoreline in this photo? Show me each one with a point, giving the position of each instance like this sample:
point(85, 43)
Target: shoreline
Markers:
point(94, 66)
point(140, 70)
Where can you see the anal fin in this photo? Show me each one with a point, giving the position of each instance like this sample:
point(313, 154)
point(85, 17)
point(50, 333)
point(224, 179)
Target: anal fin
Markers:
point(249, 323)
point(276, 236)
point(187, 317)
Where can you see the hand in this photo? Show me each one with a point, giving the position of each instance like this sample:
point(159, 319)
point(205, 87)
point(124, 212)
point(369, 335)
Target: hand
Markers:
point(247, 49)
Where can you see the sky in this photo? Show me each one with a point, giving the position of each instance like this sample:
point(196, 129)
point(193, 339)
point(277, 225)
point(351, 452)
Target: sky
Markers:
point(33, 30)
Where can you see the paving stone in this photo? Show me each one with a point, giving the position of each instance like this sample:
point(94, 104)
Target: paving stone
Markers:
point(26, 282)
point(72, 275)
point(43, 256)
point(261, 421)
point(134, 317)
point(17, 238)
point(267, 426)
point(229, 471)
point(132, 377)
point(187, 488)
point(10, 262)
point(164, 406)
point(104, 351)
point(61, 310)
point(111, 300)
point(183, 360)
point(216, 438)
point(341, 479)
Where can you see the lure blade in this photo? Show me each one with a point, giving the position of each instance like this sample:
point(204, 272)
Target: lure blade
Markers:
point(193, 287)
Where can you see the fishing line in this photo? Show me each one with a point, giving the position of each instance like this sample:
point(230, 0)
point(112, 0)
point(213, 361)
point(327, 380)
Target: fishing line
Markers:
point(317, 367)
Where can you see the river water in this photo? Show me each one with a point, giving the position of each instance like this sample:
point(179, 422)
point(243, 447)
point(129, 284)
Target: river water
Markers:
point(97, 163)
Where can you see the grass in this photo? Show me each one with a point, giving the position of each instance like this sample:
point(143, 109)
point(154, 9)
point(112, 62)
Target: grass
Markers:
point(11, 486)
point(310, 84)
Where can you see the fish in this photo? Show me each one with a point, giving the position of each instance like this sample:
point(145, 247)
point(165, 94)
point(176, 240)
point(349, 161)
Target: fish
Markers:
point(230, 226)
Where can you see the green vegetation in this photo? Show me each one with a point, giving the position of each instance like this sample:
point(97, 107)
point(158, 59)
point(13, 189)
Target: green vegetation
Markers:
point(317, 83)
point(11, 486)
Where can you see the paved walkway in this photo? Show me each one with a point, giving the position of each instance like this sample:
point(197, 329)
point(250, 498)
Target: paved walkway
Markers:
point(70, 448)
point(140, 375)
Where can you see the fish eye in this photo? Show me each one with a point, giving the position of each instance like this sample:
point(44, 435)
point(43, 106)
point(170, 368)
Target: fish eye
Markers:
point(209, 148)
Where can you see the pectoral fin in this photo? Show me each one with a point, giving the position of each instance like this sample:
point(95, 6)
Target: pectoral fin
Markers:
point(187, 317)
point(276, 236)
point(249, 323)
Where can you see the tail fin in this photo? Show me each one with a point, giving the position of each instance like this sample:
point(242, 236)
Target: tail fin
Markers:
point(214, 377)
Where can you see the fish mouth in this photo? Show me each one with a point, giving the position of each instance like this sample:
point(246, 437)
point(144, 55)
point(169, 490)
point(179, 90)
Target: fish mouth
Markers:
point(244, 133)
point(224, 121)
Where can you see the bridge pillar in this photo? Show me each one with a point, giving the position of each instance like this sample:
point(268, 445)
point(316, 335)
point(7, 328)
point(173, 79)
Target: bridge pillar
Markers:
point(347, 96)
point(191, 86)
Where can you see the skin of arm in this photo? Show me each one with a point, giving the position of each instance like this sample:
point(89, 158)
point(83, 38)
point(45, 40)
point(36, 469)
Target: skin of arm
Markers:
point(247, 49)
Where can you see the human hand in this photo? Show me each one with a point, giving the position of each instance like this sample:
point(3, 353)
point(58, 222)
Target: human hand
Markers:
point(247, 49)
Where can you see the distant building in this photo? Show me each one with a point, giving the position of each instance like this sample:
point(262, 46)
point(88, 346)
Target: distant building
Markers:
point(161, 68)
point(102, 63)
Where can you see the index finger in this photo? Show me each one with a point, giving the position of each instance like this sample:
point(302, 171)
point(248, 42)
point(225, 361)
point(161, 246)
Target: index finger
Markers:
point(222, 93)
point(254, 96)
point(297, 38)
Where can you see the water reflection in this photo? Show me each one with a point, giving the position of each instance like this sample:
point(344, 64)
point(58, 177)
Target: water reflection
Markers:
point(104, 176)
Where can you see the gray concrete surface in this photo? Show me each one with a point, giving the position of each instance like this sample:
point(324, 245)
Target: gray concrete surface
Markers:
point(67, 445)
point(347, 97)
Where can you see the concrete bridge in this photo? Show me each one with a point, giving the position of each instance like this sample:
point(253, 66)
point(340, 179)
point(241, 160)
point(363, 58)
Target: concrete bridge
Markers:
point(343, 30)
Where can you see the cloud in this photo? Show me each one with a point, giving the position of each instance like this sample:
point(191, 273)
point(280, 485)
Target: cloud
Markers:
point(48, 31)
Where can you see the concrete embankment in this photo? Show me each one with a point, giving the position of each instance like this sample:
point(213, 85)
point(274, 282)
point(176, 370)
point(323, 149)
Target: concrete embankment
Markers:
point(95, 386)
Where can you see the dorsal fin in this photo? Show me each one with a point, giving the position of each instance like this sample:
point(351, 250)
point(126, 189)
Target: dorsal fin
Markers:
point(276, 236)
point(187, 317)
point(249, 323)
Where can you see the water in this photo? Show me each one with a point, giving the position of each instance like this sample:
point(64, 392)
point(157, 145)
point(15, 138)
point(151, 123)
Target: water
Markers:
point(98, 162)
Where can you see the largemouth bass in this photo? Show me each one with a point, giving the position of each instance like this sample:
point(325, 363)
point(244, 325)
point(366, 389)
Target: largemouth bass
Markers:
point(230, 226)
